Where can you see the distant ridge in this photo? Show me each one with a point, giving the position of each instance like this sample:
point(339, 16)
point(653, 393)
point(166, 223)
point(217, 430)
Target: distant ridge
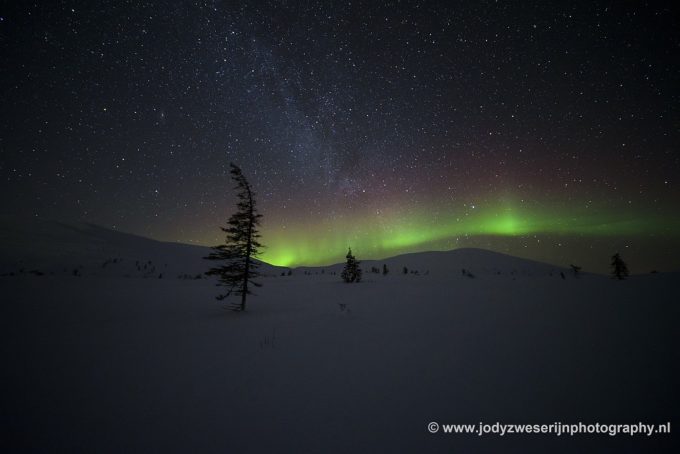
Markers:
point(446, 263)
point(51, 247)
point(57, 248)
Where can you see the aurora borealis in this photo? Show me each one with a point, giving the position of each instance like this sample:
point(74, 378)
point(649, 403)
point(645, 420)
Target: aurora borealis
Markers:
point(494, 225)
point(545, 130)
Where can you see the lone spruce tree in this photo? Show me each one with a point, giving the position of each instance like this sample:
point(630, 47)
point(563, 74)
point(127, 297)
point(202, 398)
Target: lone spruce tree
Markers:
point(351, 272)
point(241, 246)
point(619, 267)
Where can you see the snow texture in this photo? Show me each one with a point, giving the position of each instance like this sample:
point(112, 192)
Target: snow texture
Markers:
point(101, 362)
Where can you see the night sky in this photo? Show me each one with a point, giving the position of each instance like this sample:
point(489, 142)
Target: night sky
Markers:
point(548, 130)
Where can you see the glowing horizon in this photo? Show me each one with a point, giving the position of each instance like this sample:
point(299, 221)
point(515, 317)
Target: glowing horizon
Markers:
point(377, 237)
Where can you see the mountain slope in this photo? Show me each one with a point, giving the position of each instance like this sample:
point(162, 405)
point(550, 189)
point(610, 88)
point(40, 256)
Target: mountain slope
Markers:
point(85, 249)
point(449, 263)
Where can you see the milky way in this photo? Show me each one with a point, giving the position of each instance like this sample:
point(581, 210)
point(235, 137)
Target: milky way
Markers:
point(546, 130)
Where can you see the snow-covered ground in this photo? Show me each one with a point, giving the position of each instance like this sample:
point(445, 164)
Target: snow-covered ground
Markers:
point(106, 363)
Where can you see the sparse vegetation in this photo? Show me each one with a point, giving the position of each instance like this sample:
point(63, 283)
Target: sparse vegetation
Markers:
point(467, 273)
point(351, 272)
point(619, 267)
point(241, 246)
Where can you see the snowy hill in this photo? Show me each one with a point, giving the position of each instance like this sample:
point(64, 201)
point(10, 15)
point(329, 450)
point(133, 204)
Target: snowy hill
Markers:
point(54, 248)
point(448, 263)
point(103, 363)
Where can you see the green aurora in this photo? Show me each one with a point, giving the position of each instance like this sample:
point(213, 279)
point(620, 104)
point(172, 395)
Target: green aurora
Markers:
point(374, 237)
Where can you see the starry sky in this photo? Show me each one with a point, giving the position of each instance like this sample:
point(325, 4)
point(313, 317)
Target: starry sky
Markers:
point(547, 130)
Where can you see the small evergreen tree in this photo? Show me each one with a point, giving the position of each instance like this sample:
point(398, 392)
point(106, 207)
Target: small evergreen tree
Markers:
point(405, 270)
point(385, 270)
point(241, 246)
point(619, 267)
point(351, 272)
